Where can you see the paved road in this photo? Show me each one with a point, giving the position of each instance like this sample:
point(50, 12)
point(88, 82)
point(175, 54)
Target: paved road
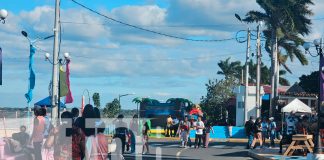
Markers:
point(168, 150)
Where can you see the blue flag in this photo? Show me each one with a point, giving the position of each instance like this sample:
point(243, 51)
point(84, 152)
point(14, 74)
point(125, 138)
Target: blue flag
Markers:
point(29, 94)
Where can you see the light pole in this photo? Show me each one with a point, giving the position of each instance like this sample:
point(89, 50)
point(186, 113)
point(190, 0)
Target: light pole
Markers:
point(319, 52)
point(3, 15)
point(123, 95)
point(60, 62)
point(31, 45)
point(86, 90)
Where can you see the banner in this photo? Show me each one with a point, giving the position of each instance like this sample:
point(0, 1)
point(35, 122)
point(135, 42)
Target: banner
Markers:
point(32, 77)
point(63, 86)
point(68, 98)
point(321, 78)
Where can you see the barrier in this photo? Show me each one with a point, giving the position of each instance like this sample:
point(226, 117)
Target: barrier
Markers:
point(222, 132)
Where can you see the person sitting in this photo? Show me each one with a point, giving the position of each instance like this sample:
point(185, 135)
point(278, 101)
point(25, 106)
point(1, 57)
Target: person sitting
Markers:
point(22, 137)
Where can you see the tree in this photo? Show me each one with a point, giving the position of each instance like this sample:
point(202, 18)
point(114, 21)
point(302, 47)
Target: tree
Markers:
point(230, 68)
point(218, 94)
point(284, 21)
point(96, 99)
point(111, 109)
point(310, 82)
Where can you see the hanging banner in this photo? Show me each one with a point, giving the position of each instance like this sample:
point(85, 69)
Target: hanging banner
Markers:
point(69, 97)
point(32, 77)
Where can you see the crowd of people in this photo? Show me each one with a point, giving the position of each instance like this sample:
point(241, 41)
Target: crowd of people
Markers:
point(182, 128)
point(79, 137)
point(262, 129)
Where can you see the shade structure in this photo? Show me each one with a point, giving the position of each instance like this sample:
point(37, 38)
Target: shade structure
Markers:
point(297, 106)
point(47, 102)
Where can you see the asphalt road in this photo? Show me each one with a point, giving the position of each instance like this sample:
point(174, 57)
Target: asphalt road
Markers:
point(167, 150)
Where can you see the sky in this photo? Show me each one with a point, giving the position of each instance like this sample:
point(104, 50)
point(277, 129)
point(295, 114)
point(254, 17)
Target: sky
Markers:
point(114, 59)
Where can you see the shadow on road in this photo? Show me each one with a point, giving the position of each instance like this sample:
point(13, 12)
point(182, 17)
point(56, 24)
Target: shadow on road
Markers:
point(234, 154)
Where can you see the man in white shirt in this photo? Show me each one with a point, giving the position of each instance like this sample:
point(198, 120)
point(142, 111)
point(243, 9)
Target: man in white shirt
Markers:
point(199, 126)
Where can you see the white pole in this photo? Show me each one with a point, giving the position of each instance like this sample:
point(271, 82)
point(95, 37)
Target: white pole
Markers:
point(246, 94)
point(55, 64)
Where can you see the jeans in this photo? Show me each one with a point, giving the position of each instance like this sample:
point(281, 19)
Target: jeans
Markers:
point(121, 142)
point(133, 142)
point(272, 138)
point(198, 140)
point(250, 139)
point(38, 150)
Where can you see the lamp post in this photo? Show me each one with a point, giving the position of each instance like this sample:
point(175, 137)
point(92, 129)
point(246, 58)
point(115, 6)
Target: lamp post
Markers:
point(319, 52)
point(86, 90)
point(123, 95)
point(61, 61)
point(31, 44)
point(3, 15)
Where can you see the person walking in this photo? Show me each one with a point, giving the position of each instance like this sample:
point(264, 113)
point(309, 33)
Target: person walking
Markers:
point(37, 136)
point(208, 129)
point(257, 130)
point(175, 126)
point(265, 129)
point(183, 131)
point(273, 129)
point(199, 126)
point(169, 126)
point(134, 127)
point(121, 132)
point(248, 127)
point(145, 133)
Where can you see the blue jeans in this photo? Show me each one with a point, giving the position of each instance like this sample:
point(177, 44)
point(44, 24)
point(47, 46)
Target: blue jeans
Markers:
point(133, 142)
point(250, 139)
point(272, 138)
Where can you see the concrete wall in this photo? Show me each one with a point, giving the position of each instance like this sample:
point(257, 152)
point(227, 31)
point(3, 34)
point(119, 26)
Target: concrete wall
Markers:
point(222, 132)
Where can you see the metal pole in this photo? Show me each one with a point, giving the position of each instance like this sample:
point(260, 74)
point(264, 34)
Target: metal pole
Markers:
point(318, 147)
point(55, 63)
point(258, 57)
point(246, 94)
point(273, 72)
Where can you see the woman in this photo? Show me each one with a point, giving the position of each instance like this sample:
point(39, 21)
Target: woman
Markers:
point(257, 129)
point(99, 149)
point(145, 132)
point(133, 132)
point(38, 132)
point(65, 147)
point(208, 129)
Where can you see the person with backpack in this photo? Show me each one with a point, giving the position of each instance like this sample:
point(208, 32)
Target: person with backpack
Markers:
point(248, 127)
point(273, 129)
point(257, 130)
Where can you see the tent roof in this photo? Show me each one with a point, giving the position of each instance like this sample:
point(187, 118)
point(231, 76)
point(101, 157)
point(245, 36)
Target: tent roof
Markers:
point(297, 106)
point(47, 102)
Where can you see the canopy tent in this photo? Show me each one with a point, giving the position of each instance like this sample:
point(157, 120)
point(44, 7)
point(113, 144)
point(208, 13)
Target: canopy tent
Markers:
point(297, 106)
point(47, 102)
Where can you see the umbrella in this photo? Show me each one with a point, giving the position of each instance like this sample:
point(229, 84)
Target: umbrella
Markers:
point(47, 102)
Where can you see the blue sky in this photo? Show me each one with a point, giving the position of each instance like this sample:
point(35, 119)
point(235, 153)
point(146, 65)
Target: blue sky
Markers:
point(113, 59)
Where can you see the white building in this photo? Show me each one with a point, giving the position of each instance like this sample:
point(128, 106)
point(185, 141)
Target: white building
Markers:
point(251, 103)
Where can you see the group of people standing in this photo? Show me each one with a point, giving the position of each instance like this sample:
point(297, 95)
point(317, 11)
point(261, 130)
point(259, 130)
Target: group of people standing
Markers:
point(257, 129)
point(202, 132)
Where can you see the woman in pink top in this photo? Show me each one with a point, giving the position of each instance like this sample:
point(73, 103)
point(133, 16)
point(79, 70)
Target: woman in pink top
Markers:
point(99, 149)
point(38, 132)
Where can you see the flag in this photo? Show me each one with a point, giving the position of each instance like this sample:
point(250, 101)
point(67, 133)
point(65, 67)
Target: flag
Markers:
point(321, 78)
point(32, 77)
point(0, 66)
point(63, 86)
point(68, 98)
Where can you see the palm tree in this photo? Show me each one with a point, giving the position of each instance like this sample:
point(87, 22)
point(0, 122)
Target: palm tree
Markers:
point(284, 21)
point(138, 101)
point(230, 68)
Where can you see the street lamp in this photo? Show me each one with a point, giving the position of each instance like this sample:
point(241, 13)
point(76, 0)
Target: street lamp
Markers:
point(61, 61)
point(319, 52)
point(123, 95)
point(3, 15)
point(86, 90)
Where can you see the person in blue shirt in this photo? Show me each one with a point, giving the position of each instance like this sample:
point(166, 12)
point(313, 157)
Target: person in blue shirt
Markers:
point(265, 129)
point(272, 129)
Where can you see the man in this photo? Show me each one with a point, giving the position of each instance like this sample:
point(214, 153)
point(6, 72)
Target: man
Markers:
point(22, 137)
point(175, 126)
point(184, 128)
point(272, 128)
point(168, 126)
point(290, 122)
point(75, 113)
point(121, 132)
point(199, 126)
point(249, 131)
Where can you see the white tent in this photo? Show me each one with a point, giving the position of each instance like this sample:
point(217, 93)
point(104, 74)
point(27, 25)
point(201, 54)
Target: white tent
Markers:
point(297, 106)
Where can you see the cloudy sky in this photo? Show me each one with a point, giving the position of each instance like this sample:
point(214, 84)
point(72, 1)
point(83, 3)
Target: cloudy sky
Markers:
point(114, 59)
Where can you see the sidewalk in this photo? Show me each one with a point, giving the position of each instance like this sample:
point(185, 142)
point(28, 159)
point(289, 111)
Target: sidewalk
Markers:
point(271, 154)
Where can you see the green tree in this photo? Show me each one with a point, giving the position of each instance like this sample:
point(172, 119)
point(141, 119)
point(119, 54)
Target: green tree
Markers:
point(111, 109)
point(310, 82)
point(218, 94)
point(286, 21)
point(96, 99)
point(228, 68)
